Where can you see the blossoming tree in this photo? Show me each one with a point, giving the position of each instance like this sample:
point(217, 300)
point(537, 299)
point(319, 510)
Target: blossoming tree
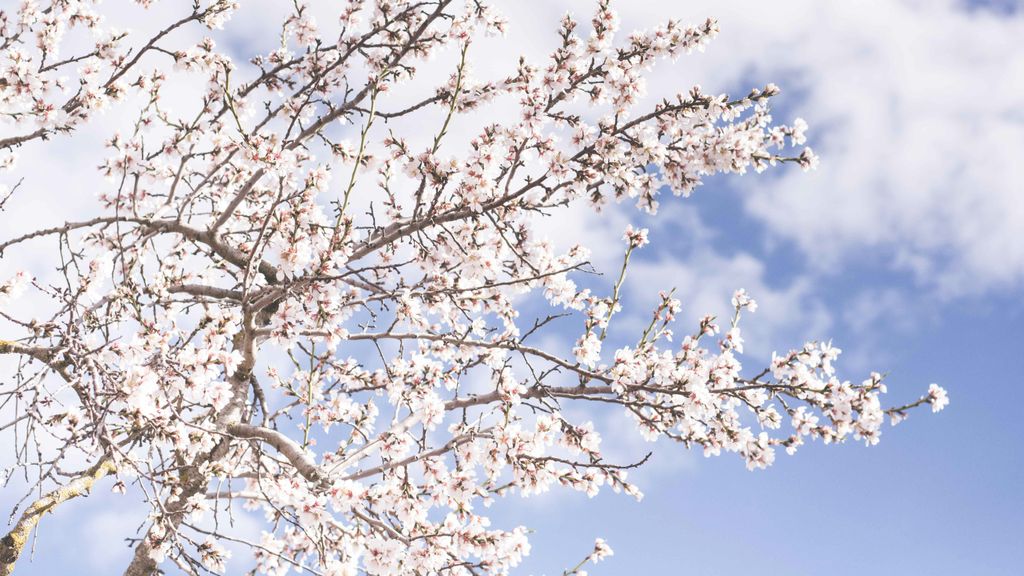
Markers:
point(302, 298)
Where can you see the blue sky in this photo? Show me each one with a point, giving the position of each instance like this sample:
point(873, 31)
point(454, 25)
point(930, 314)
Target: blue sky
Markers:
point(904, 249)
point(939, 495)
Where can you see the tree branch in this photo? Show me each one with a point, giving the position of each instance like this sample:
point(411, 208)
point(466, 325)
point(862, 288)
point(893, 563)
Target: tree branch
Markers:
point(283, 444)
point(12, 544)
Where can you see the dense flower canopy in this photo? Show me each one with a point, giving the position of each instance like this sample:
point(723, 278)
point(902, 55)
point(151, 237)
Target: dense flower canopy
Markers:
point(302, 299)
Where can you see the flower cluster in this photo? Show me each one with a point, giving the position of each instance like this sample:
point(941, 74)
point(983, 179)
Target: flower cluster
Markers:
point(307, 301)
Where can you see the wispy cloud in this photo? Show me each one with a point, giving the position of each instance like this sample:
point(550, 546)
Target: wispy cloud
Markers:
point(919, 126)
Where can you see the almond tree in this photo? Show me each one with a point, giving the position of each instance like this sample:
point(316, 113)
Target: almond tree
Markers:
point(303, 299)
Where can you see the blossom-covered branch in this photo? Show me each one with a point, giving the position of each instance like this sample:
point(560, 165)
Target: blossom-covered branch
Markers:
point(306, 296)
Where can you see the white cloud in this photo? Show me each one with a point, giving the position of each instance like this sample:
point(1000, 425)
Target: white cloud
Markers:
point(98, 530)
point(917, 109)
point(785, 318)
point(914, 107)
